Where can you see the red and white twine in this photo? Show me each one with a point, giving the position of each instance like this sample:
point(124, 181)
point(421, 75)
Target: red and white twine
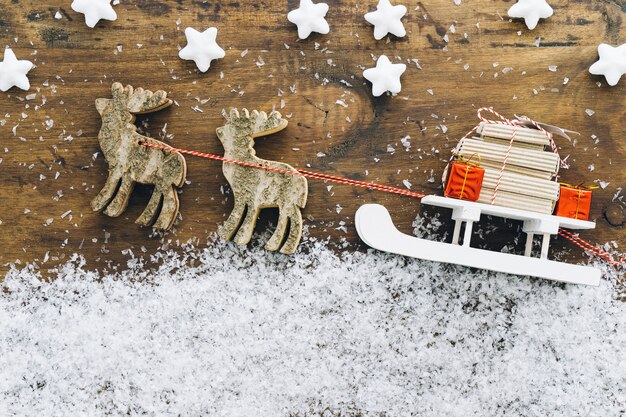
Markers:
point(504, 162)
point(300, 172)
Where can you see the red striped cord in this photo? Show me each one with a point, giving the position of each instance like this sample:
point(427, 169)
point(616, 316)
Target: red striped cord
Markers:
point(300, 172)
point(594, 250)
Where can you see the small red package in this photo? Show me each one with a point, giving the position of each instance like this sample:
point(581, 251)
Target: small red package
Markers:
point(465, 179)
point(575, 201)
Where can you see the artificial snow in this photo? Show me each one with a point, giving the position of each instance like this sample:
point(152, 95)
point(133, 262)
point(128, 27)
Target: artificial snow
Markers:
point(226, 331)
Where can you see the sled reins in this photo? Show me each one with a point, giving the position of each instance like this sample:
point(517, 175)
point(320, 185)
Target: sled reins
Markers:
point(575, 239)
point(300, 172)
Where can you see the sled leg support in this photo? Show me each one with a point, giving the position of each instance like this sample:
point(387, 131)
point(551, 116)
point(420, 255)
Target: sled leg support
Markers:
point(544, 228)
point(470, 215)
point(467, 215)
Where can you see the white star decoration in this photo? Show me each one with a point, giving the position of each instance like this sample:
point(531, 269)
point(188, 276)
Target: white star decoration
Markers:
point(386, 19)
point(531, 11)
point(612, 63)
point(13, 72)
point(309, 17)
point(94, 10)
point(201, 48)
point(385, 76)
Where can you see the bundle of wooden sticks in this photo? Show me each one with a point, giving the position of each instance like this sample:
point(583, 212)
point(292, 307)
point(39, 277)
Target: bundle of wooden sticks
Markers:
point(520, 168)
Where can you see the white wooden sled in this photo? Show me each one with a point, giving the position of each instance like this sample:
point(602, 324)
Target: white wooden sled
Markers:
point(376, 229)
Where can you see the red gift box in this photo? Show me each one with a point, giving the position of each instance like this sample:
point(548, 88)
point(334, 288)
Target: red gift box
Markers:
point(465, 179)
point(575, 201)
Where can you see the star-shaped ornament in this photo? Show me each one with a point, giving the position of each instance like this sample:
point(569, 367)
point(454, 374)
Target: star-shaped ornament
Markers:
point(531, 11)
point(385, 76)
point(612, 63)
point(94, 10)
point(386, 19)
point(201, 48)
point(13, 71)
point(310, 17)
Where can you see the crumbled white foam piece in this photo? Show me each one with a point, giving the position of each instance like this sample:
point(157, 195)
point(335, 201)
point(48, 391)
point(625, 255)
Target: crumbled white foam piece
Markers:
point(406, 142)
point(590, 112)
point(229, 331)
point(416, 62)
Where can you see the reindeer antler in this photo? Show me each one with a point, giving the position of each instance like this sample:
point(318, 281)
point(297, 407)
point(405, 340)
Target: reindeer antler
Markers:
point(145, 101)
point(256, 123)
point(138, 100)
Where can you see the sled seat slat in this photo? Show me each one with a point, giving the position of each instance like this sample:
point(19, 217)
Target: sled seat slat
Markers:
point(533, 222)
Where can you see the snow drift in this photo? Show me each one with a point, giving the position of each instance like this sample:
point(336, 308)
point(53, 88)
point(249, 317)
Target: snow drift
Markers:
point(223, 331)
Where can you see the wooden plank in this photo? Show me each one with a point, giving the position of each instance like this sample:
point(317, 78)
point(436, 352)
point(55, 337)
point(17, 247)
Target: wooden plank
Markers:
point(523, 135)
point(318, 85)
point(514, 200)
point(521, 184)
point(526, 158)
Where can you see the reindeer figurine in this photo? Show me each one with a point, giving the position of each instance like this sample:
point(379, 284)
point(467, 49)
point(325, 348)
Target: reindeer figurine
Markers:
point(130, 162)
point(256, 189)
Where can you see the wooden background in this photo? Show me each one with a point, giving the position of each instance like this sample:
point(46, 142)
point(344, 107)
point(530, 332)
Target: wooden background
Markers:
point(50, 157)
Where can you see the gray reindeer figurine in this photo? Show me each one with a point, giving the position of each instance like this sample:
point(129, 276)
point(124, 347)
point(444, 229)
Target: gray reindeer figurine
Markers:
point(130, 162)
point(256, 189)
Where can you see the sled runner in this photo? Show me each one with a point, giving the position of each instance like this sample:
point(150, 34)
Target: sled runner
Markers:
point(376, 229)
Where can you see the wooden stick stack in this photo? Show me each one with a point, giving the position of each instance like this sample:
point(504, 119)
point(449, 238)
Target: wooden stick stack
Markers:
point(527, 181)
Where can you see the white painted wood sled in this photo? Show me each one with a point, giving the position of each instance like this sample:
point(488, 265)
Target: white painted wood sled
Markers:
point(376, 229)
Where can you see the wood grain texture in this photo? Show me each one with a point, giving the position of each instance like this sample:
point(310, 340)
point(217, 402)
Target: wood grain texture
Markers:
point(51, 162)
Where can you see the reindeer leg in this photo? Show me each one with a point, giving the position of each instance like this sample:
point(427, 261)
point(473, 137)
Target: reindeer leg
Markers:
point(120, 202)
point(149, 213)
point(169, 210)
point(295, 232)
point(228, 229)
point(108, 191)
point(276, 239)
point(247, 227)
